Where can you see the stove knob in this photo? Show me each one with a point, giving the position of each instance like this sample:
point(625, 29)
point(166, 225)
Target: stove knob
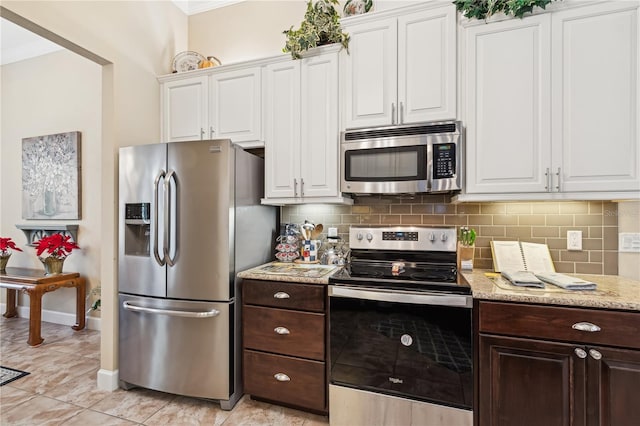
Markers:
point(432, 237)
point(369, 236)
point(359, 236)
point(443, 237)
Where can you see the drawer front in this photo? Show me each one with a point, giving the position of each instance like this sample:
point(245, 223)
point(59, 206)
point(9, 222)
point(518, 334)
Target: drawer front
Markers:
point(284, 332)
point(559, 323)
point(305, 297)
point(305, 387)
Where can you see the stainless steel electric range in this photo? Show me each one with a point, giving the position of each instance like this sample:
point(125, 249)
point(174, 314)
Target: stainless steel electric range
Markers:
point(400, 330)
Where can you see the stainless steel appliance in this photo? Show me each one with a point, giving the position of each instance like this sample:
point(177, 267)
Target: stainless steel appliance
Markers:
point(189, 218)
point(412, 158)
point(400, 330)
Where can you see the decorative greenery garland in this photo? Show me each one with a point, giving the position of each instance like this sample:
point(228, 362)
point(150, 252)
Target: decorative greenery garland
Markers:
point(482, 9)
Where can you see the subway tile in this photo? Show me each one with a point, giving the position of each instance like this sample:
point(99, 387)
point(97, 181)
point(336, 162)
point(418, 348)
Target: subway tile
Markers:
point(555, 255)
point(546, 207)
point(538, 240)
point(536, 219)
point(589, 268)
point(375, 200)
point(610, 262)
point(483, 241)
point(484, 252)
point(518, 232)
point(434, 198)
point(596, 256)
point(545, 231)
point(483, 264)
point(432, 219)
point(455, 220)
point(492, 231)
point(422, 208)
point(610, 213)
point(588, 220)
point(333, 218)
point(499, 219)
point(493, 208)
point(594, 232)
point(468, 208)
point(444, 209)
point(390, 219)
point(380, 208)
point(411, 219)
point(476, 219)
point(584, 229)
point(353, 219)
point(564, 267)
point(560, 220)
point(370, 219)
point(574, 207)
point(557, 243)
point(574, 256)
point(610, 238)
point(596, 207)
point(400, 209)
point(518, 208)
point(591, 243)
point(360, 209)
point(409, 199)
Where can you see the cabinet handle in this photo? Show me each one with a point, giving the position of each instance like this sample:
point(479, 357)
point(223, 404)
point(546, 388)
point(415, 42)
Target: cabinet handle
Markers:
point(581, 353)
point(401, 113)
point(295, 187)
point(558, 174)
point(281, 377)
point(301, 187)
point(211, 132)
point(201, 133)
point(393, 113)
point(281, 295)
point(586, 326)
point(595, 354)
point(548, 176)
point(281, 330)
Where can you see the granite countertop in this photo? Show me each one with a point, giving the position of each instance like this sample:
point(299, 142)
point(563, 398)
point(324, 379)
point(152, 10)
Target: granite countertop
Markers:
point(291, 272)
point(613, 292)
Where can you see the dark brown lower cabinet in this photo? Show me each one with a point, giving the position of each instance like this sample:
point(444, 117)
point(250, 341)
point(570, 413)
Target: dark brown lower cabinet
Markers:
point(525, 380)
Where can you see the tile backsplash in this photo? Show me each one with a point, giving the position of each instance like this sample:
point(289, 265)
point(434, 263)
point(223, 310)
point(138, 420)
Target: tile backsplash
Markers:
point(538, 222)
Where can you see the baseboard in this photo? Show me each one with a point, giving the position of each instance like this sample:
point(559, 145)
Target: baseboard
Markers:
point(63, 318)
point(107, 380)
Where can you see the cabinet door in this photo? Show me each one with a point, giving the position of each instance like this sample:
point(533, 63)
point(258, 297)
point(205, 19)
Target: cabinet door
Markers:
point(371, 74)
point(507, 105)
point(596, 73)
point(530, 383)
point(184, 109)
point(236, 105)
point(427, 65)
point(614, 386)
point(282, 130)
point(320, 133)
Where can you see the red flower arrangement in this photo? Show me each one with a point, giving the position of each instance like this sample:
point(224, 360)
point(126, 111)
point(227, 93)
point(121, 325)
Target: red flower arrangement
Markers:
point(57, 245)
point(6, 244)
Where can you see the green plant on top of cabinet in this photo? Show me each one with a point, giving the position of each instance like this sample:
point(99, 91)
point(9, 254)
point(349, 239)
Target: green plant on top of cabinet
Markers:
point(215, 104)
point(301, 130)
point(551, 104)
point(401, 66)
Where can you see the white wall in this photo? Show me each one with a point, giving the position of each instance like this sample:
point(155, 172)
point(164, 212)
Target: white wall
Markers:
point(55, 93)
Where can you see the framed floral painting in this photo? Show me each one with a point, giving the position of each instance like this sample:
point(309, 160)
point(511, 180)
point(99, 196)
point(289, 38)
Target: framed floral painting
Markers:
point(51, 176)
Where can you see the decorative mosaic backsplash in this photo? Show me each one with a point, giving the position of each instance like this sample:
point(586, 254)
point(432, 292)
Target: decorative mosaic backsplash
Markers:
point(538, 222)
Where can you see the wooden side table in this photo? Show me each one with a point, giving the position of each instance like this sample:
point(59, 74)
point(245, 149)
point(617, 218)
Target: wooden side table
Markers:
point(35, 283)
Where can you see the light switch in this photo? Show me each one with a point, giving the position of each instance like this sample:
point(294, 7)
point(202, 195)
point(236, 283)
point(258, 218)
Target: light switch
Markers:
point(629, 242)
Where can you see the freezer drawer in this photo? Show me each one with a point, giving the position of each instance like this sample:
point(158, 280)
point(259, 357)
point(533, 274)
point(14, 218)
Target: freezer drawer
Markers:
point(176, 346)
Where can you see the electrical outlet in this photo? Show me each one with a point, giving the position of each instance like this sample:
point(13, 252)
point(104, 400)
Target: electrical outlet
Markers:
point(574, 240)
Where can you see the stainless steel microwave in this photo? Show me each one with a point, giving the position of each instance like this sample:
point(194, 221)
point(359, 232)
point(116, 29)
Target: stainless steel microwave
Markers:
point(425, 157)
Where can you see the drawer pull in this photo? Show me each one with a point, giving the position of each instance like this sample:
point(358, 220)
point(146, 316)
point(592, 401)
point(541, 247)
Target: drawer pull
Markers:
point(581, 353)
point(586, 326)
point(282, 330)
point(281, 377)
point(595, 354)
point(281, 295)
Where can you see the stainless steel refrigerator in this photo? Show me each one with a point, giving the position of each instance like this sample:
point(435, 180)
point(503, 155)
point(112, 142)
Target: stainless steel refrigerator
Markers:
point(189, 219)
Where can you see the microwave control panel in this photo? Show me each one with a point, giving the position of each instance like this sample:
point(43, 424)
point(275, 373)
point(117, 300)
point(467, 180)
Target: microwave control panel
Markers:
point(444, 160)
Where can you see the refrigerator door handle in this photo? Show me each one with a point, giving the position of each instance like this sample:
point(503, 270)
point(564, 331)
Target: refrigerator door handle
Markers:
point(189, 314)
point(167, 217)
point(156, 188)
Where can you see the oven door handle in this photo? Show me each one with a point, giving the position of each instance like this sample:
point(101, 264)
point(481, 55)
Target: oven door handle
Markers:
point(416, 298)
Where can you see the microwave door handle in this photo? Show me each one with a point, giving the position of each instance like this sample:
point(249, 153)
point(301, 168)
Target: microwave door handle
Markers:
point(168, 218)
point(156, 188)
point(401, 114)
point(393, 113)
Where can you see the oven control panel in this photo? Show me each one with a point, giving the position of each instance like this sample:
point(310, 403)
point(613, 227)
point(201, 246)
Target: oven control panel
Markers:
point(424, 238)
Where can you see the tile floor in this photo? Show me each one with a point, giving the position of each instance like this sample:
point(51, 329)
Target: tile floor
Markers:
point(61, 389)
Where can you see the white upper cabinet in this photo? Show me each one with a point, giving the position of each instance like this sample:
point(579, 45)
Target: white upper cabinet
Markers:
point(235, 99)
point(401, 67)
point(595, 79)
point(214, 103)
point(184, 109)
point(551, 105)
point(301, 130)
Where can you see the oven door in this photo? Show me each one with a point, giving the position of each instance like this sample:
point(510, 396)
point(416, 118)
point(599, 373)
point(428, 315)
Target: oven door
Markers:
point(408, 344)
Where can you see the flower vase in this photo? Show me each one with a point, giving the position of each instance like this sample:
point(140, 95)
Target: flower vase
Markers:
point(465, 257)
point(3, 262)
point(52, 265)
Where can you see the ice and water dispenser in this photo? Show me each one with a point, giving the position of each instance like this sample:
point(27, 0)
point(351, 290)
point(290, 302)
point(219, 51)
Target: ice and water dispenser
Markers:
point(137, 232)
